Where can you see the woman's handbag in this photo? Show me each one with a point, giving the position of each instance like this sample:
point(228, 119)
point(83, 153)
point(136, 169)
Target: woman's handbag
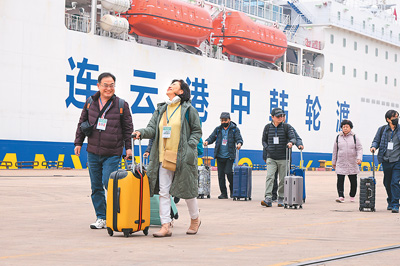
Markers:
point(169, 161)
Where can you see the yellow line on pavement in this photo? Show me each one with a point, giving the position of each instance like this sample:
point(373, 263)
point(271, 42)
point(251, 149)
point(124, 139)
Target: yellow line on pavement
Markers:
point(332, 255)
point(239, 248)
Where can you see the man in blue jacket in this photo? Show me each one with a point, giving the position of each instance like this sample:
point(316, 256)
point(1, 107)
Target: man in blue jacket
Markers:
point(387, 140)
point(227, 139)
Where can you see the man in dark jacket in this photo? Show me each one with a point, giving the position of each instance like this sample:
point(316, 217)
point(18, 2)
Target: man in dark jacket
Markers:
point(387, 140)
point(227, 139)
point(112, 131)
point(299, 144)
point(276, 137)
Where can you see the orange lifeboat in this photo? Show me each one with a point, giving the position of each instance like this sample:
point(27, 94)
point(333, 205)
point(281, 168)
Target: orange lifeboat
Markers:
point(245, 38)
point(170, 20)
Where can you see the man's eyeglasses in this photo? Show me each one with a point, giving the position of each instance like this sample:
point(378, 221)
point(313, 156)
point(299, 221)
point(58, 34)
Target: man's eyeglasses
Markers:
point(111, 86)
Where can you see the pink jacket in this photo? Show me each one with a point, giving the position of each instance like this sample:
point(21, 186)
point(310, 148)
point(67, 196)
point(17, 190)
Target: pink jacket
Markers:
point(345, 158)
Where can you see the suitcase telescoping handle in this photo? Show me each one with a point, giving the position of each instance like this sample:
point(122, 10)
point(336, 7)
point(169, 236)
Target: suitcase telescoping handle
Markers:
point(301, 160)
point(288, 152)
point(373, 165)
point(140, 153)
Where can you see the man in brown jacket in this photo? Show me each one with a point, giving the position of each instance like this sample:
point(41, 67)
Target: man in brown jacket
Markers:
point(111, 132)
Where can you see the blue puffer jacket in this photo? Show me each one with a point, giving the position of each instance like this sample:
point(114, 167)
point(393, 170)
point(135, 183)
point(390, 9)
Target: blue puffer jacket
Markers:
point(234, 137)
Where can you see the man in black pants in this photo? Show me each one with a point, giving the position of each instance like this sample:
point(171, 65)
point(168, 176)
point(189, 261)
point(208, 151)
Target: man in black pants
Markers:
point(227, 139)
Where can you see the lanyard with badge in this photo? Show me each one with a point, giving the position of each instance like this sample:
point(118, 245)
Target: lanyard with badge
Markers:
point(102, 122)
point(166, 134)
point(276, 138)
point(390, 143)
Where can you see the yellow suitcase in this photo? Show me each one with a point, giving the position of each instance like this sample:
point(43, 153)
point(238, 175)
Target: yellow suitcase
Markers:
point(128, 200)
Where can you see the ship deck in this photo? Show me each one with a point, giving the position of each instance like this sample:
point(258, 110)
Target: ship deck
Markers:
point(45, 217)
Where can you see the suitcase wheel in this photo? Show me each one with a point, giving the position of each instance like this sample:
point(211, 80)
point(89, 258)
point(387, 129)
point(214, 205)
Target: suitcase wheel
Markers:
point(235, 199)
point(361, 209)
point(110, 231)
point(146, 231)
point(249, 198)
point(126, 234)
point(301, 207)
point(245, 199)
point(208, 196)
point(373, 209)
point(176, 216)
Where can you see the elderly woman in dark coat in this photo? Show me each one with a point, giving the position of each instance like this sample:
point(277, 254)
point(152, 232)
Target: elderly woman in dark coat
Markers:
point(175, 127)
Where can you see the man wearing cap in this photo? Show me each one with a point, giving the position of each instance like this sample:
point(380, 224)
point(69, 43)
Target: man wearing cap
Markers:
point(227, 138)
point(276, 137)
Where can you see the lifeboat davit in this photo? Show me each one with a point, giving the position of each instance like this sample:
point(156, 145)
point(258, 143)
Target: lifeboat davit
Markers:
point(245, 38)
point(169, 20)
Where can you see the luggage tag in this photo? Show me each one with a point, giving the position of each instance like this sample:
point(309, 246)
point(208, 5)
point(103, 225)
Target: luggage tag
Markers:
point(166, 134)
point(276, 140)
point(224, 141)
point(390, 145)
point(101, 124)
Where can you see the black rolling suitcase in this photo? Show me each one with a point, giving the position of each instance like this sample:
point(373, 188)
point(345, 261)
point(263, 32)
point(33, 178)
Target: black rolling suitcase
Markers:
point(367, 190)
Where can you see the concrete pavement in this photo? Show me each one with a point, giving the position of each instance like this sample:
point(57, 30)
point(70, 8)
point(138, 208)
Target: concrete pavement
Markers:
point(45, 217)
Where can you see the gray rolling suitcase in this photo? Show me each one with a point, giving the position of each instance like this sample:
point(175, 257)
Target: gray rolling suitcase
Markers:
point(293, 187)
point(204, 180)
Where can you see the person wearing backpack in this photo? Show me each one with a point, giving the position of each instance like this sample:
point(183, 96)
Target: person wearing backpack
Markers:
point(346, 157)
point(227, 139)
point(276, 137)
point(111, 122)
point(387, 140)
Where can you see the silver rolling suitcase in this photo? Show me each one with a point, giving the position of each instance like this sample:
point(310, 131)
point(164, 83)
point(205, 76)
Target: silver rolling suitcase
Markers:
point(293, 187)
point(204, 180)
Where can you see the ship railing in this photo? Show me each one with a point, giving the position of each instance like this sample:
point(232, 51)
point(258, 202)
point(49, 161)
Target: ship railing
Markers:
point(359, 28)
point(77, 22)
point(292, 68)
point(311, 71)
point(257, 8)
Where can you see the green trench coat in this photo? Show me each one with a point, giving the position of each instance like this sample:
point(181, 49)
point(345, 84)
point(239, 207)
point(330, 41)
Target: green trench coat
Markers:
point(185, 183)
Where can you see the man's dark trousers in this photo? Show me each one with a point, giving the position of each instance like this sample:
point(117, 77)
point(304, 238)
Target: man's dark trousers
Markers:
point(225, 168)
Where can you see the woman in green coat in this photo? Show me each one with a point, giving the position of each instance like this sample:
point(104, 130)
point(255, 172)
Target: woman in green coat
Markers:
point(175, 127)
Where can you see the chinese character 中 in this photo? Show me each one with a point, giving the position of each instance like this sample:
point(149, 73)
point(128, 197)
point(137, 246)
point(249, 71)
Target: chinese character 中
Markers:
point(312, 112)
point(142, 90)
point(240, 107)
point(342, 113)
point(199, 100)
point(87, 81)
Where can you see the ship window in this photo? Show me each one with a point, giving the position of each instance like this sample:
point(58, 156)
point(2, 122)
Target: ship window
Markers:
point(386, 80)
point(355, 73)
point(355, 46)
point(338, 15)
point(395, 82)
point(366, 49)
point(373, 27)
point(383, 31)
point(376, 77)
point(364, 24)
point(399, 37)
point(366, 75)
point(387, 55)
point(78, 15)
point(344, 42)
point(376, 51)
point(343, 70)
point(391, 34)
point(352, 20)
point(395, 57)
point(331, 67)
point(332, 38)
